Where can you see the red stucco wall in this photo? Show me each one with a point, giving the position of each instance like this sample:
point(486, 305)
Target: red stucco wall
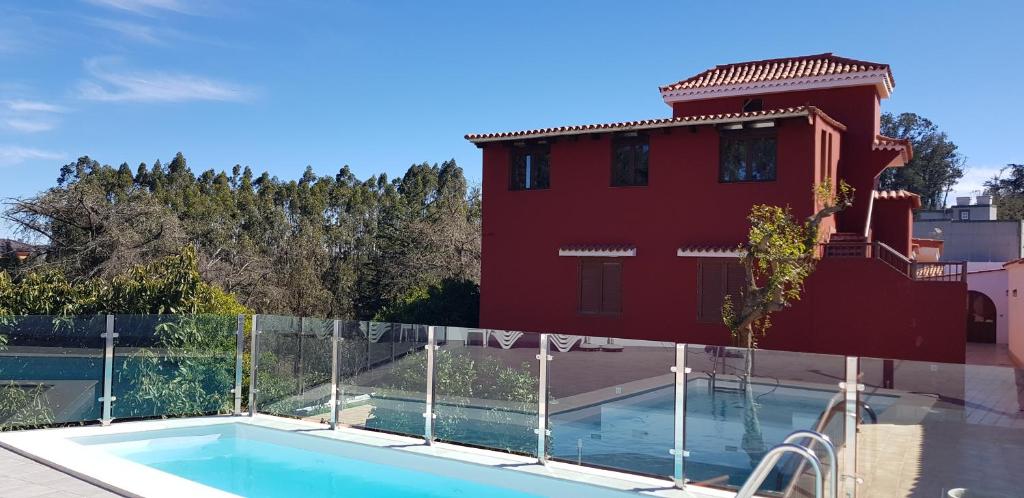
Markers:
point(854, 306)
point(856, 107)
point(894, 224)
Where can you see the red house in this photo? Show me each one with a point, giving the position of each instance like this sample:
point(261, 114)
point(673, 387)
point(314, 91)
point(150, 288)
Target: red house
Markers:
point(628, 229)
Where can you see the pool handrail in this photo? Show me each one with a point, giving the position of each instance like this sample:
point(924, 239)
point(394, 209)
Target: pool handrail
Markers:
point(767, 463)
point(830, 450)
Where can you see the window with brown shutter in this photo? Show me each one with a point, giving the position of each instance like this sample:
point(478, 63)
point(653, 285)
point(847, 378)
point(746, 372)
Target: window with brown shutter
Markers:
point(600, 289)
point(717, 278)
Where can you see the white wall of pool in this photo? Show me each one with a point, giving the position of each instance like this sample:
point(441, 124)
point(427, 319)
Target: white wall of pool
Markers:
point(266, 456)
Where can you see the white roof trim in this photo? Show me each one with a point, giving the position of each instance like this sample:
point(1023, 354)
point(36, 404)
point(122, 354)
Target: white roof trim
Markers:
point(686, 252)
point(879, 78)
point(598, 253)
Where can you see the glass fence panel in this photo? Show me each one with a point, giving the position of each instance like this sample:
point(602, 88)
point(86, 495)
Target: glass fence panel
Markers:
point(486, 388)
point(939, 427)
point(294, 362)
point(382, 376)
point(611, 403)
point(740, 403)
point(51, 370)
point(173, 365)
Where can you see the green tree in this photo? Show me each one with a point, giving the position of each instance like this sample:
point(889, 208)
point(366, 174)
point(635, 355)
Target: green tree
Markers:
point(1007, 190)
point(779, 255)
point(936, 166)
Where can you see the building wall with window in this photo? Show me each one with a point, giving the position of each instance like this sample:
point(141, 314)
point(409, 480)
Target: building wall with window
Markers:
point(612, 244)
point(683, 203)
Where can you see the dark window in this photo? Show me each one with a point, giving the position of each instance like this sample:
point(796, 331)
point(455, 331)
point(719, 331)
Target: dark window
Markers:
point(824, 157)
point(746, 156)
point(965, 215)
point(629, 161)
point(717, 278)
point(753, 105)
point(600, 286)
point(530, 167)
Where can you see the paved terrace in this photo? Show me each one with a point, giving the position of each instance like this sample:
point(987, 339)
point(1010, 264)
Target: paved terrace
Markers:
point(24, 478)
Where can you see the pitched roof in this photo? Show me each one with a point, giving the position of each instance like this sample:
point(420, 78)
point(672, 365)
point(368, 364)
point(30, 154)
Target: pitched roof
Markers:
point(882, 142)
point(735, 117)
point(10, 245)
point(769, 75)
point(895, 195)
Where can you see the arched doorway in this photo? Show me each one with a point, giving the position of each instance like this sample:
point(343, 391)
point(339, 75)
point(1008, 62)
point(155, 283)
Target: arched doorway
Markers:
point(981, 318)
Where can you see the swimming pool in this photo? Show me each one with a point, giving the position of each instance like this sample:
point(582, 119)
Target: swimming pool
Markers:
point(268, 457)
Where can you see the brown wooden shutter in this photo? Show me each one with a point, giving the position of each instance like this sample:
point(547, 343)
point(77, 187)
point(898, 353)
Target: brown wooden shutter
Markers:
point(611, 295)
point(591, 274)
point(710, 289)
point(735, 281)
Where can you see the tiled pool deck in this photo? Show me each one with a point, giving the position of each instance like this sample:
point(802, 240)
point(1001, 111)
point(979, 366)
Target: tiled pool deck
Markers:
point(24, 478)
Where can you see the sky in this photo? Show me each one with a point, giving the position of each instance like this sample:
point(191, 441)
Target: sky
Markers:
point(380, 85)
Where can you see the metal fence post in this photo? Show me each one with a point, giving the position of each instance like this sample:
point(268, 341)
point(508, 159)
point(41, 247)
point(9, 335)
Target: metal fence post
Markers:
point(428, 413)
point(679, 418)
point(108, 371)
point(542, 400)
point(239, 351)
point(334, 374)
point(254, 364)
point(299, 365)
point(851, 387)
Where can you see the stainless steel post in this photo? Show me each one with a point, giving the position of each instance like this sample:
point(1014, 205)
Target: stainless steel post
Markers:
point(108, 371)
point(254, 364)
point(542, 400)
point(679, 425)
point(334, 374)
point(428, 413)
point(239, 350)
point(851, 387)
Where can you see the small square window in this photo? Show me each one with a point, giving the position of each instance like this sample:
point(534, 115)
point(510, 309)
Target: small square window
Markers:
point(629, 161)
point(965, 215)
point(753, 105)
point(529, 167)
point(746, 156)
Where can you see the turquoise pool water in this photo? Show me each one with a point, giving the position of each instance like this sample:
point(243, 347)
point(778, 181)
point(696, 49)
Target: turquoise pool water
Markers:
point(264, 463)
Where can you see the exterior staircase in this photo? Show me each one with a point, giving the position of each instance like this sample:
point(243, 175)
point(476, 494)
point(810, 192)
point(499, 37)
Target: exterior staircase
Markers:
point(847, 245)
point(853, 245)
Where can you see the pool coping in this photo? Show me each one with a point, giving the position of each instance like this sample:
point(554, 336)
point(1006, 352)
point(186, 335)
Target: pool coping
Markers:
point(53, 447)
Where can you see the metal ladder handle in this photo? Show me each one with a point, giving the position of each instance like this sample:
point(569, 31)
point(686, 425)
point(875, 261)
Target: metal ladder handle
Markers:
point(772, 457)
point(830, 449)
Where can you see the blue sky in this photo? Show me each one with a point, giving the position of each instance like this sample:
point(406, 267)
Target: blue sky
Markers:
point(380, 85)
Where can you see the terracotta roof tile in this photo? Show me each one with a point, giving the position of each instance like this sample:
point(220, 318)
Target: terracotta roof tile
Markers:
point(777, 69)
point(597, 250)
point(711, 251)
point(788, 112)
point(893, 195)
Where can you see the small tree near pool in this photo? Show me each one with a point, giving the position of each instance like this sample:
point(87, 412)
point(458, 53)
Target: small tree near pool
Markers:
point(779, 255)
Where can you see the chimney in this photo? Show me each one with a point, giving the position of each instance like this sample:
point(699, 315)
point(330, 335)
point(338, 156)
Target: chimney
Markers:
point(983, 200)
point(963, 201)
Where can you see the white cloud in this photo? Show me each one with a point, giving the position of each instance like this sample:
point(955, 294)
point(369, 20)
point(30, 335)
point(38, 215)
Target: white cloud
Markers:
point(29, 116)
point(32, 106)
point(973, 181)
point(144, 6)
point(13, 155)
point(134, 31)
point(29, 126)
point(113, 84)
